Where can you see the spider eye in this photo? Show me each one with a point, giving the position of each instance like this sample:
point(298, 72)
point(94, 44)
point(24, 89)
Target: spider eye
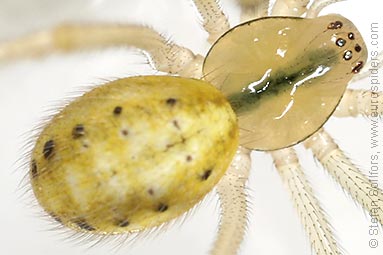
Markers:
point(335, 25)
point(351, 36)
point(285, 76)
point(341, 42)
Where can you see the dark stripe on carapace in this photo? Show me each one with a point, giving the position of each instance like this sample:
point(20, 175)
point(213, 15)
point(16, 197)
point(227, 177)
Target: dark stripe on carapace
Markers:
point(245, 101)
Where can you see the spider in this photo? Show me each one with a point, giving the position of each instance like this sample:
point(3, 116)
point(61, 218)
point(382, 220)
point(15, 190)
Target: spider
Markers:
point(240, 186)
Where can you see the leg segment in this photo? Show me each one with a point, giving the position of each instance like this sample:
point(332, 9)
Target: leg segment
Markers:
point(309, 209)
point(214, 20)
point(317, 6)
point(360, 102)
point(289, 7)
point(253, 9)
point(361, 189)
point(231, 191)
point(164, 55)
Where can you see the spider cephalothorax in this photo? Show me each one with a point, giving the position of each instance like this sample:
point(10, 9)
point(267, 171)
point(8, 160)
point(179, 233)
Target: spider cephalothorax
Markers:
point(135, 153)
point(279, 80)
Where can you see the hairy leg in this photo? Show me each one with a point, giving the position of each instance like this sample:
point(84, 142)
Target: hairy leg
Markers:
point(232, 195)
point(164, 55)
point(360, 102)
point(351, 179)
point(214, 20)
point(253, 9)
point(311, 213)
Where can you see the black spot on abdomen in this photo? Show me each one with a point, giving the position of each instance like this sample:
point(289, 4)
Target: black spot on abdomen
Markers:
point(81, 223)
point(162, 207)
point(206, 174)
point(123, 223)
point(78, 131)
point(34, 169)
point(171, 101)
point(48, 150)
point(117, 110)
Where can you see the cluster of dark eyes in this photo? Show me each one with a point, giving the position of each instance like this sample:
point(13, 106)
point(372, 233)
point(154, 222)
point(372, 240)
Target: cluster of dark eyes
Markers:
point(341, 42)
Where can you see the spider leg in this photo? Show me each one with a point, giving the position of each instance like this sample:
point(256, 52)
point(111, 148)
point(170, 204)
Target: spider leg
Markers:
point(253, 9)
point(232, 195)
point(214, 20)
point(317, 6)
point(164, 55)
point(375, 63)
point(310, 211)
point(289, 7)
point(360, 102)
point(362, 190)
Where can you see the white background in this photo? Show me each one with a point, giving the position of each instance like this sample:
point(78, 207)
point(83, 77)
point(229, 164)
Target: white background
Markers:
point(29, 87)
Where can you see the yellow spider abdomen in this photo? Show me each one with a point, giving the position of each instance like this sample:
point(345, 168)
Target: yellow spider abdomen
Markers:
point(133, 154)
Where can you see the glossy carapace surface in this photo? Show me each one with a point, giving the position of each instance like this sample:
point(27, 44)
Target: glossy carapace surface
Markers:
point(284, 76)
